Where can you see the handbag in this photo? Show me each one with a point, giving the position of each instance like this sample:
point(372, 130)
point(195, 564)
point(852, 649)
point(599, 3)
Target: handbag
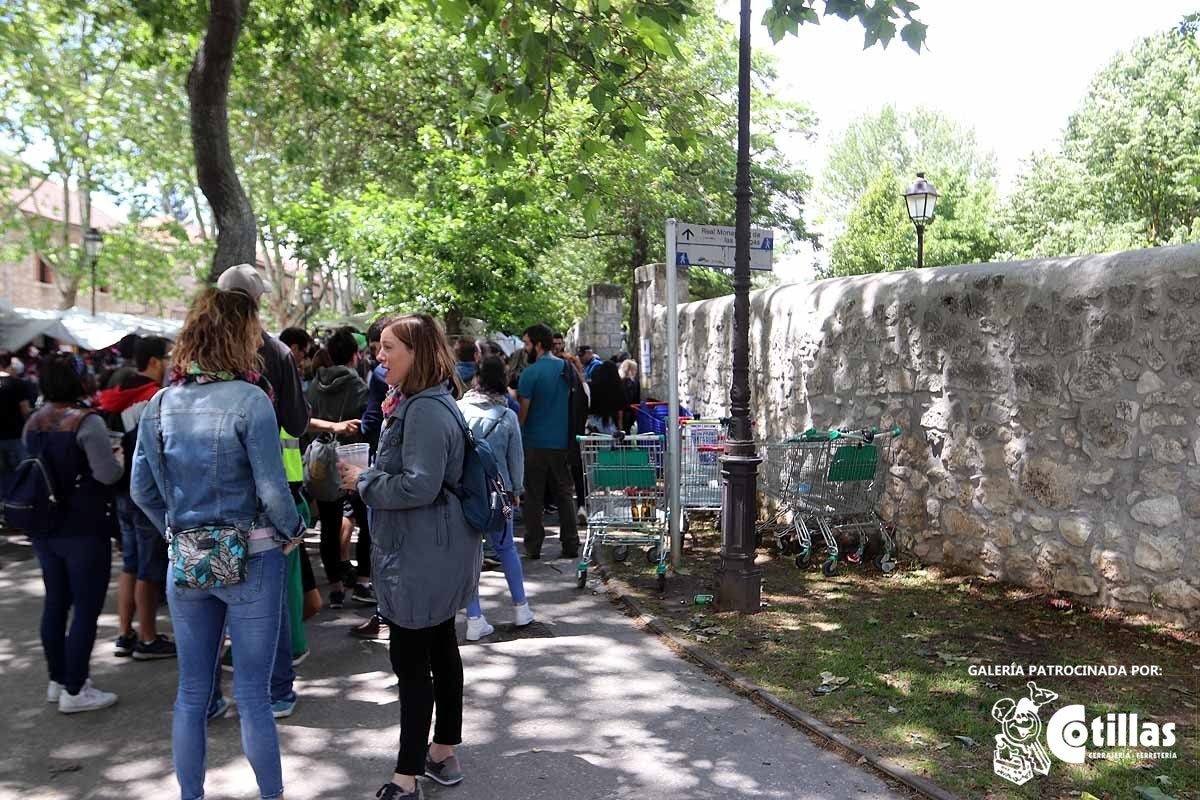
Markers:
point(207, 557)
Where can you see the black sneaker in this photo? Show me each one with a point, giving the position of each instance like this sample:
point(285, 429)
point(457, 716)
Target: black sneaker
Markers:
point(390, 791)
point(161, 647)
point(363, 594)
point(337, 599)
point(124, 645)
point(447, 772)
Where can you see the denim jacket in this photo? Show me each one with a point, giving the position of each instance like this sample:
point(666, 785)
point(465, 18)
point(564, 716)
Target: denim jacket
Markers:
point(224, 465)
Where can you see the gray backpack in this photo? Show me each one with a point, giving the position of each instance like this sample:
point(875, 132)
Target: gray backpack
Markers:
point(321, 479)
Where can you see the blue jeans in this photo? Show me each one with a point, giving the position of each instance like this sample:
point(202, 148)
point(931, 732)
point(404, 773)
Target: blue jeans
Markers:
point(253, 609)
point(506, 554)
point(75, 570)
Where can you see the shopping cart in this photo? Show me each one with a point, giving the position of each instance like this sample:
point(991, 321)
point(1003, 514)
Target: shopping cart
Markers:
point(626, 498)
point(702, 443)
point(830, 482)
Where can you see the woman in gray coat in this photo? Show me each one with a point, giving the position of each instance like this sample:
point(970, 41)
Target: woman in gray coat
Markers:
point(425, 557)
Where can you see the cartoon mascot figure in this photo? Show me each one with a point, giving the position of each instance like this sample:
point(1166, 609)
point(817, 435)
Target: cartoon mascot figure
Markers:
point(1019, 750)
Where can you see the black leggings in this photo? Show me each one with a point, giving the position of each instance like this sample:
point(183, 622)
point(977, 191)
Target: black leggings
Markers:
point(330, 514)
point(427, 663)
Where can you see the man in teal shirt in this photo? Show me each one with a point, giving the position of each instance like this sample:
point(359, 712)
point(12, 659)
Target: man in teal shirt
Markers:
point(544, 395)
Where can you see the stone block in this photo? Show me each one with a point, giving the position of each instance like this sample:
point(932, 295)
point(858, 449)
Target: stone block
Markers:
point(1048, 482)
point(1076, 530)
point(1178, 594)
point(1158, 552)
point(1075, 584)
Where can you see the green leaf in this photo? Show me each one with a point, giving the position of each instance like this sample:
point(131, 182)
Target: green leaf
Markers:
point(592, 211)
point(913, 34)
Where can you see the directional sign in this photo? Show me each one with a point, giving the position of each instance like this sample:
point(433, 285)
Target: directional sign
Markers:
point(713, 246)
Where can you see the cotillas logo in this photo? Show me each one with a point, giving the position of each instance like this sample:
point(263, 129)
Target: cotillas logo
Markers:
point(1019, 753)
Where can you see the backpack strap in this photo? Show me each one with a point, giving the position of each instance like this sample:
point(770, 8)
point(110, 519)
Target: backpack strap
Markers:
point(454, 489)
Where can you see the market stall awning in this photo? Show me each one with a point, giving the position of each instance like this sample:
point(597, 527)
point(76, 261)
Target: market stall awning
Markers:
point(20, 326)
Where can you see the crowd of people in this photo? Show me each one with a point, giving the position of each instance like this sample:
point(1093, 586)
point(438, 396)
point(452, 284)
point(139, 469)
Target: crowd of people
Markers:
point(192, 456)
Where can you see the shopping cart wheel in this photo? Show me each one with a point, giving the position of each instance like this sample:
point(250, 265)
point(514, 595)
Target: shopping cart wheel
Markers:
point(885, 564)
point(804, 558)
point(830, 568)
point(620, 553)
point(581, 579)
point(652, 556)
point(660, 582)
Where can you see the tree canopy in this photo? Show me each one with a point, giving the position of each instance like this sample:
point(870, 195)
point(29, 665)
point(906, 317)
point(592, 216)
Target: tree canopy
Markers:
point(876, 160)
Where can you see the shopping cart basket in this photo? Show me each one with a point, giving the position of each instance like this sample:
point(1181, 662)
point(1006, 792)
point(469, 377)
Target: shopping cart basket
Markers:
point(626, 497)
point(830, 482)
point(702, 444)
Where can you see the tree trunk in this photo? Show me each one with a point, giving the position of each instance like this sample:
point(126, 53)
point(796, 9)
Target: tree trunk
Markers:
point(640, 257)
point(454, 318)
point(208, 94)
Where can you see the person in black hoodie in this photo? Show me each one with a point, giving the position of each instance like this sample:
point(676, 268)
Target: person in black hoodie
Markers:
point(336, 394)
point(143, 549)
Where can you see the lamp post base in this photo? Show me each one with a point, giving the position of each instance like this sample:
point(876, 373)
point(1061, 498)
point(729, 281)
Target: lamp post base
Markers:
point(739, 579)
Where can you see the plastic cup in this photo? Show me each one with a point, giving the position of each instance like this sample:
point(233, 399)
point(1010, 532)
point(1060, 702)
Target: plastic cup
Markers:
point(356, 454)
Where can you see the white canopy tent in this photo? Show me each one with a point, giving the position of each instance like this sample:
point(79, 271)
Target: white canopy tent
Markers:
point(20, 326)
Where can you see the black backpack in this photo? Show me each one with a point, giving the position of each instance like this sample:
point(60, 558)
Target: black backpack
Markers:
point(577, 403)
point(36, 503)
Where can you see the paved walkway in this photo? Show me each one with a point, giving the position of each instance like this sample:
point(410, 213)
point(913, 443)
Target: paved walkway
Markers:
point(580, 705)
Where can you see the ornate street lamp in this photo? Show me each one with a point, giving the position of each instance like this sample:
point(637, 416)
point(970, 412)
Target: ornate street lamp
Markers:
point(92, 242)
point(306, 299)
point(921, 199)
point(739, 579)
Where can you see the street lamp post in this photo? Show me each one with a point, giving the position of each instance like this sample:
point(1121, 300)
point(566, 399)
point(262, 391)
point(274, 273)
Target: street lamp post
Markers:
point(92, 240)
point(306, 299)
point(921, 199)
point(739, 580)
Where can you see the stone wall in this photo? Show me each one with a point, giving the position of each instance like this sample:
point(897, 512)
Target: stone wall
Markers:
point(1051, 410)
point(601, 328)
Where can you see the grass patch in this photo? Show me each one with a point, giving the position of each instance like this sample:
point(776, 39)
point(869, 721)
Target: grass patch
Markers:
point(906, 642)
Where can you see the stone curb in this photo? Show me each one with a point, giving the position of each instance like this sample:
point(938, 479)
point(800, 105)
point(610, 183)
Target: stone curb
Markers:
point(619, 591)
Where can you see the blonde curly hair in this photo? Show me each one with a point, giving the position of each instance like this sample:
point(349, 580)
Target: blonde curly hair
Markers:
point(221, 333)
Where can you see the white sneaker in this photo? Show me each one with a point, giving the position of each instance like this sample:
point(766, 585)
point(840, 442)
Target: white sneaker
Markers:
point(524, 614)
point(89, 699)
point(477, 628)
point(54, 690)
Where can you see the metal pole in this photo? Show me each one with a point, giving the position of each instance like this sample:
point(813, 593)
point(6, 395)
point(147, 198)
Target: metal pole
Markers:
point(674, 515)
point(93, 260)
point(739, 580)
point(920, 246)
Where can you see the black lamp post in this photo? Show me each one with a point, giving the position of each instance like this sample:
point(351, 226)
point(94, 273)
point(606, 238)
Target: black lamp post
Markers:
point(921, 199)
point(92, 241)
point(306, 299)
point(739, 580)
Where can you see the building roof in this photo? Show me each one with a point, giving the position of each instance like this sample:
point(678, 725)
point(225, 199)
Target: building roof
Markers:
point(43, 197)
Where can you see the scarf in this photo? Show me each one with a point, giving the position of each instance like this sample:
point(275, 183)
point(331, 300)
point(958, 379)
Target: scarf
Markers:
point(194, 374)
point(392, 399)
point(474, 395)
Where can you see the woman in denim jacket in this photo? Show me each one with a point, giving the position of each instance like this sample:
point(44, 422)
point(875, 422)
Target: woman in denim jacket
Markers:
point(492, 421)
point(208, 454)
point(425, 557)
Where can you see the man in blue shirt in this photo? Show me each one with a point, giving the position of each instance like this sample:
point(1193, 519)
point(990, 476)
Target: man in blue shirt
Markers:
point(588, 358)
point(545, 406)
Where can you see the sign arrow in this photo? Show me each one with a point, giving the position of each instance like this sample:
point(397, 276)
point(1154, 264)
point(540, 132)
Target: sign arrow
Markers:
point(687, 234)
